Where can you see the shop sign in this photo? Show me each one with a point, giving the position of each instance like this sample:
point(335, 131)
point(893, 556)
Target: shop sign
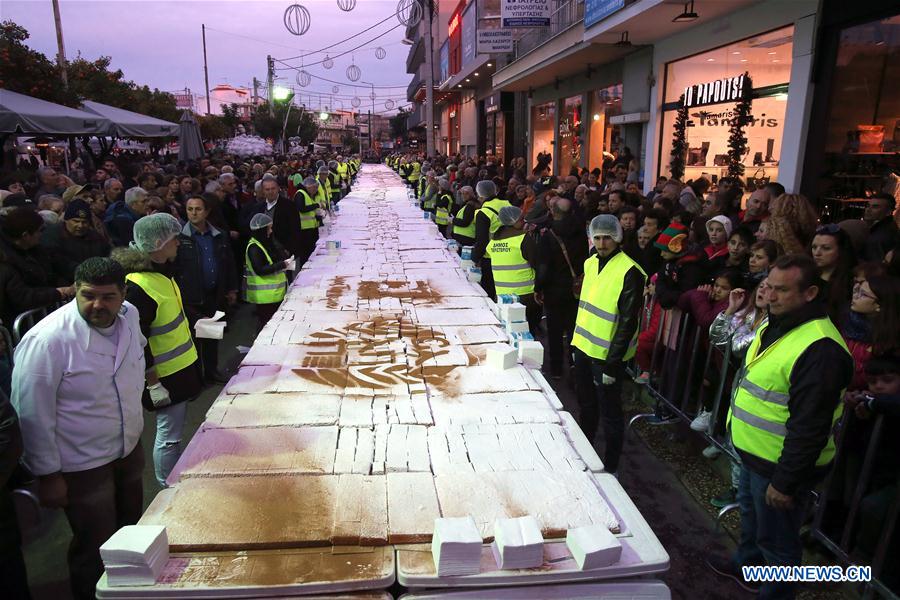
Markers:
point(454, 24)
point(469, 35)
point(597, 10)
point(184, 100)
point(729, 89)
point(524, 13)
point(495, 41)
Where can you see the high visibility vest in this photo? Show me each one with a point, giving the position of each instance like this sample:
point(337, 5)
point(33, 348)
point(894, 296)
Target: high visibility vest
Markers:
point(760, 410)
point(335, 181)
point(598, 306)
point(512, 273)
point(415, 172)
point(469, 230)
point(491, 209)
point(323, 196)
point(262, 289)
point(170, 336)
point(429, 198)
point(442, 213)
point(342, 171)
point(422, 186)
point(308, 219)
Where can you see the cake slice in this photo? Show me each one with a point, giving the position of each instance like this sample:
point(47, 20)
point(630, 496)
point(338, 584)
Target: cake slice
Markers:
point(518, 543)
point(593, 546)
point(456, 547)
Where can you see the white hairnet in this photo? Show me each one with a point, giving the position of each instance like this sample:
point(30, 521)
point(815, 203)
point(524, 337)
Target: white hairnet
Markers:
point(607, 225)
point(260, 221)
point(153, 231)
point(508, 215)
point(310, 181)
point(444, 183)
point(486, 189)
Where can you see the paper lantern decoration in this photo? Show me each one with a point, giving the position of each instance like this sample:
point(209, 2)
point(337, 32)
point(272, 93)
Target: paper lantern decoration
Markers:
point(389, 104)
point(335, 89)
point(327, 62)
point(303, 78)
point(355, 101)
point(296, 19)
point(353, 73)
point(380, 53)
point(409, 12)
point(346, 5)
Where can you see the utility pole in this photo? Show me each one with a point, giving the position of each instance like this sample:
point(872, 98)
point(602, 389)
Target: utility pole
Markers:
point(61, 54)
point(429, 81)
point(205, 67)
point(255, 92)
point(270, 83)
point(371, 134)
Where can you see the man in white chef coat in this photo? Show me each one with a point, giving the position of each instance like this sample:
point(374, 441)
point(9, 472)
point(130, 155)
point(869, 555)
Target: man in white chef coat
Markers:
point(76, 385)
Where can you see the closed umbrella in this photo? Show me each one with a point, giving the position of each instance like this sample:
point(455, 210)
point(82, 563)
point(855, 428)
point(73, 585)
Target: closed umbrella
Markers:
point(190, 147)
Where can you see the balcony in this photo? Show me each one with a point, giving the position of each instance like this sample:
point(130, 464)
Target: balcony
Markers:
point(416, 56)
point(566, 14)
point(414, 87)
point(416, 117)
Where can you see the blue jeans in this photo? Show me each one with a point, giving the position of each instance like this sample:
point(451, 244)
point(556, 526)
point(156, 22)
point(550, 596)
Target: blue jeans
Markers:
point(768, 536)
point(167, 447)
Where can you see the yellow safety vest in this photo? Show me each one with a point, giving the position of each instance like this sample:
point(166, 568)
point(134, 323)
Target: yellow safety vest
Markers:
point(170, 336)
point(308, 219)
point(598, 307)
point(469, 230)
point(262, 289)
point(442, 213)
point(415, 172)
point(323, 196)
point(512, 273)
point(429, 199)
point(491, 209)
point(342, 171)
point(760, 410)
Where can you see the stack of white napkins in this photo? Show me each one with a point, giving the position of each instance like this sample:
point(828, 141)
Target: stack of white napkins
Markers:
point(456, 547)
point(135, 555)
point(518, 543)
point(593, 546)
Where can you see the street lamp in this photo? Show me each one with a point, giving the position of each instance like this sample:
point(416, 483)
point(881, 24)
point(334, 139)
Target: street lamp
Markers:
point(282, 95)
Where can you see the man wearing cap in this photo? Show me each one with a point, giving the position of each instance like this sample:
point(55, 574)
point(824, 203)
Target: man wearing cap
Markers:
point(606, 334)
point(173, 367)
point(77, 389)
point(513, 256)
point(487, 222)
point(74, 240)
point(309, 211)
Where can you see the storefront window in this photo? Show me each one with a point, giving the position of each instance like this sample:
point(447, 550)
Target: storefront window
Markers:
point(570, 134)
point(543, 126)
point(766, 58)
point(602, 136)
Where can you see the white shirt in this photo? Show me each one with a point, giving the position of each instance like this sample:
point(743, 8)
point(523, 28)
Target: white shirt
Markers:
point(78, 392)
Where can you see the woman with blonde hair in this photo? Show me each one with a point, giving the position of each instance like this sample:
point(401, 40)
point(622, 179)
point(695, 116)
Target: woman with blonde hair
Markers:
point(792, 222)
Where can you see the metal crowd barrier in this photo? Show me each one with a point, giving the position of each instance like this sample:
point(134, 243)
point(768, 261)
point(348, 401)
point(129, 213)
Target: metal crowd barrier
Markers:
point(679, 367)
point(28, 319)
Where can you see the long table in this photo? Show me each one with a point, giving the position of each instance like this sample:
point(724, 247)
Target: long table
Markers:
point(366, 409)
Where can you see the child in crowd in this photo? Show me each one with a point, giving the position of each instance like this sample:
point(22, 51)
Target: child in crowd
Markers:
point(718, 229)
point(762, 255)
point(707, 301)
point(738, 253)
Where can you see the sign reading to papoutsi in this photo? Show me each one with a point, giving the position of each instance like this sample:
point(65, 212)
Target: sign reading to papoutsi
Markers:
point(729, 89)
point(525, 13)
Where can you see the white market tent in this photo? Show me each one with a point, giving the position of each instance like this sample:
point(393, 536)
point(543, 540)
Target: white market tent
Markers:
point(125, 123)
point(23, 114)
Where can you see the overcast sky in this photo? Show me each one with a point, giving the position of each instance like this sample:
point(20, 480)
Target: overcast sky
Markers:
point(159, 43)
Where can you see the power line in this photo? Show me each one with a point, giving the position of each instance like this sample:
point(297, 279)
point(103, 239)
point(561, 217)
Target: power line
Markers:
point(359, 85)
point(291, 67)
point(311, 52)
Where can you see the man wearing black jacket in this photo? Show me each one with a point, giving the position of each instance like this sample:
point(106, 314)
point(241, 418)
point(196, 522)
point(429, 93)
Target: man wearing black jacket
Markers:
point(605, 337)
point(282, 210)
point(781, 420)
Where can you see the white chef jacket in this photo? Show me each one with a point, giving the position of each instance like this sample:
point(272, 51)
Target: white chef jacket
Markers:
point(79, 406)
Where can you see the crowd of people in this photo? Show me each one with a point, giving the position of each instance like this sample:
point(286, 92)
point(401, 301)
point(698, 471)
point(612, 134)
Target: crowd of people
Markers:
point(147, 249)
point(810, 314)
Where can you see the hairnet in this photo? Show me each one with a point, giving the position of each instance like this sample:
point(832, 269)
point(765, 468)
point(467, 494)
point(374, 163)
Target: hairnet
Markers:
point(153, 232)
point(444, 183)
point(606, 225)
point(332, 164)
point(508, 215)
point(310, 181)
point(322, 169)
point(486, 189)
point(260, 221)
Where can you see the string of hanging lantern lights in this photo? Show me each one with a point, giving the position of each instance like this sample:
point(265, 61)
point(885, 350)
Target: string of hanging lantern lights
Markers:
point(296, 19)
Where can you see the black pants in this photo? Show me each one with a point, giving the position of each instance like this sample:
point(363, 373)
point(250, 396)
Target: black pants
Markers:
point(596, 400)
point(533, 313)
point(561, 315)
point(13, 578)
point(264, 312)
point(487, 278)
point(101, 501)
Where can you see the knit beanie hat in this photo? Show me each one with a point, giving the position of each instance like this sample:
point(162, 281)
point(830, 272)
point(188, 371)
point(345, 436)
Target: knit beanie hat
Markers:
point(673, 239)
point(723, 221)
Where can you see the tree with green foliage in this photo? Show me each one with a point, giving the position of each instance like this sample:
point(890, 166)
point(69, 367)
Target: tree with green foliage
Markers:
point(350, 142)
point(213, 127)
point(301, 123)
point(398, 124)
point(231, 116)
point(27, 71)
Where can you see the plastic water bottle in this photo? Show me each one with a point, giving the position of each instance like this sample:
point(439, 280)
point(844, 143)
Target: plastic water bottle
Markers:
point(507, 299)
point(474, 274)
point(467, 252)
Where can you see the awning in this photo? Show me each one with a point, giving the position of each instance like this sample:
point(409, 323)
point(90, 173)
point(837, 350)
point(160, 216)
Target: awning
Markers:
point(125, 123)
point(26, 115)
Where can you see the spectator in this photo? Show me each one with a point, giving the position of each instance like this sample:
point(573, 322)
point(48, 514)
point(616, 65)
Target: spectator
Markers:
point(121, 216)
point(112, 191)
point(738, 253)
point(718, 231)
point(758, 205)
point(48, 183)
point(792, 223)
point(20, 235)
point(833, 253)
point(628, 219)
point(561, 253)
point(51, 203)
point(266, 261)
point(73, 241)
point(762, 255)
point(691, 194)
point(616, 202)
point(883, 234)
point(682, 270)
point(284, 215)
point(80, 414)
point(148, 181)
point(173, 368)
point(206, 275)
